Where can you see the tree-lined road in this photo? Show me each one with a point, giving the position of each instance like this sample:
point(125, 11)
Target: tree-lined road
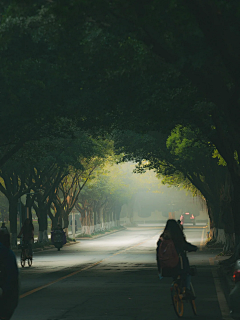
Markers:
point(112, 277)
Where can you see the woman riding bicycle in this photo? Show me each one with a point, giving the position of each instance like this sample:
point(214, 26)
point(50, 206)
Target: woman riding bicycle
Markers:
point(173, 232)
point(27, 231)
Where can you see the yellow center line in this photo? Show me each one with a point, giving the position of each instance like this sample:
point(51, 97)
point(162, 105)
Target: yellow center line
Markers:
point(81, 270)
point(194, 227)
point(60, 279)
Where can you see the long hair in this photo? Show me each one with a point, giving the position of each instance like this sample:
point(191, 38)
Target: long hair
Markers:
point(176, 233)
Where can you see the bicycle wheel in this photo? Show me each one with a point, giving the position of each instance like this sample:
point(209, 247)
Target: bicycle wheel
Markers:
point(22, 260)
point(177, 300)
point(192, 301)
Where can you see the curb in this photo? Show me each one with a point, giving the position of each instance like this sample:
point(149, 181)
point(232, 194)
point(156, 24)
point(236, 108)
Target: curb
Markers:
point(53, 247)
point(73, 242)
point(225, 277)
point(224, 272)
point(100, 235)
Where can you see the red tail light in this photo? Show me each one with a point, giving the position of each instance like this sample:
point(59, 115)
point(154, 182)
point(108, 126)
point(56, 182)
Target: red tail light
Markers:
point(236, 276)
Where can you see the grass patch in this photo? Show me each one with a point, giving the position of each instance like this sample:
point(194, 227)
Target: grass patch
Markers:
point(37, 245)
point(70, 240)
point(223, 253)
point(84, 236)
point(99, 232)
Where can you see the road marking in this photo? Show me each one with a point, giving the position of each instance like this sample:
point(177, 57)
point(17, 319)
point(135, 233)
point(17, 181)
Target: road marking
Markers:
point(81, 270)
point(202, 241)
point(194, 227)
point(60, 279)
point(221, 297)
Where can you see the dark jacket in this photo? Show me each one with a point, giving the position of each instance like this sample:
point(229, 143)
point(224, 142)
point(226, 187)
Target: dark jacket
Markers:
point(27, 232)
point(183, 266)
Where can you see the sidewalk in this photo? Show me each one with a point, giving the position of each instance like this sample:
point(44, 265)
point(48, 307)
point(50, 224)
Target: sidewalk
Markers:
point(77, 240)
point(46, 247)
point(225, 274)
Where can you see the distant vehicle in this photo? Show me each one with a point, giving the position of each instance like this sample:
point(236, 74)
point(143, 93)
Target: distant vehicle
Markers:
point(234, 296)
point(187, 218)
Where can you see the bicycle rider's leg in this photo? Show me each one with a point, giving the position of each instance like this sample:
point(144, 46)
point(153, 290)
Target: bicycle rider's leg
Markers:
point(188, 281)
point(23, 248)
point(30, 248)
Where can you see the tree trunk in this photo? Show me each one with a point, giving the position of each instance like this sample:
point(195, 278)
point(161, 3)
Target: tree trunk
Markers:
point(117, 212)
point(88, 222)
point(236, 211)
point(65, 221)
point(236, 215)
point(101, 217)
point(54, 220)
point(229, 243)
point(43, 225)
point(221, 239)
point(215, 233)
point(104, 217)
point(13, 210)
point(94, 217)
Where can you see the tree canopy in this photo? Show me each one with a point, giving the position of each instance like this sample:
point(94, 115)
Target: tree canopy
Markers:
point(149, 67)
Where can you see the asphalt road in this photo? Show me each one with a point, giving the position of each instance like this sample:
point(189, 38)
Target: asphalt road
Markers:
point(114, 277)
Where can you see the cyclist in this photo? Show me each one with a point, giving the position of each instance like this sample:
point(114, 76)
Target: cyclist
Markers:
point(173, 232)
point(8, 277)
point(27, 231)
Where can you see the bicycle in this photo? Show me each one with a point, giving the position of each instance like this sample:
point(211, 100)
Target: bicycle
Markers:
point(25, 255)
point(179, 296)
